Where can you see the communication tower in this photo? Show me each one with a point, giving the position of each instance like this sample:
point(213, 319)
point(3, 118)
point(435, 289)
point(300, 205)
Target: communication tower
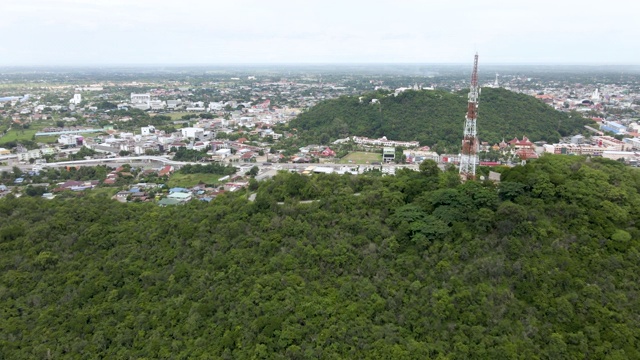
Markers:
point(469, 157)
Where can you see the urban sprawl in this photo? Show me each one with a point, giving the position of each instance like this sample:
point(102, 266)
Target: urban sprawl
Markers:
point(141, 133)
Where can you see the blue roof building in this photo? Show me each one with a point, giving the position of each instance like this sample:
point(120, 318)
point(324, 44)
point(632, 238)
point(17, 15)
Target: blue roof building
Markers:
point(178, 190)
point(613, 127)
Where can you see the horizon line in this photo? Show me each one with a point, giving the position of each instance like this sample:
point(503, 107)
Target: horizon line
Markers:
point(229, 64)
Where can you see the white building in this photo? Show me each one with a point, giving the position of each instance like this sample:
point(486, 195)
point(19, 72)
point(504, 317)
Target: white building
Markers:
point(77, 99)
point(633, 142)
point(383, 141)
point(141, 99)
point(223, 152)
point(611, 142)
point(70, 140)
point(215, 106)
point(196, 106)
point(180, 196)
point(617, 155)
point(28, 155)
point(172, 104)
point(192, 132)
point(157, 104)
point(147, 130)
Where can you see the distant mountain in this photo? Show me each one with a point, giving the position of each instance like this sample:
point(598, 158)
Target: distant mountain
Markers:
point(436, 117)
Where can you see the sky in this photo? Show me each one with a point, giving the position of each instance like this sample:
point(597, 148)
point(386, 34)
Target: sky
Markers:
point(194, 32)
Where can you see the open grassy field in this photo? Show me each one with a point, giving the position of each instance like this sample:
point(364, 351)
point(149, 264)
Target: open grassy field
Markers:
point(178, 115)
point(47, 139)
point(18, 134)
point(361, 158)
point(189, 180)
point(107, 192)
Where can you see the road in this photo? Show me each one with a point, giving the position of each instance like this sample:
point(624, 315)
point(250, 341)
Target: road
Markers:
point(147, 161)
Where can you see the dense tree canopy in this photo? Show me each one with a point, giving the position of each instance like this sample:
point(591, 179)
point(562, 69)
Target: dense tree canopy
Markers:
point(413, 266)
point(433, 117)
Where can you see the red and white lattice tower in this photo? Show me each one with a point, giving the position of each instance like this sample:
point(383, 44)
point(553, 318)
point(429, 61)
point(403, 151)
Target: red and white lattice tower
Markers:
point(469, 158)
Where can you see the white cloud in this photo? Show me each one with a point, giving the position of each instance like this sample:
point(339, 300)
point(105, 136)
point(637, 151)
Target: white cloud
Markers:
point(188, 31)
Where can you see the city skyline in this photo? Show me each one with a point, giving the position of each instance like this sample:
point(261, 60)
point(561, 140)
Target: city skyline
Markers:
point(116, 32)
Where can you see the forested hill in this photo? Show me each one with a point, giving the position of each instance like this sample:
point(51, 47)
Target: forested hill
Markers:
point(436, 116)
point(415, 266)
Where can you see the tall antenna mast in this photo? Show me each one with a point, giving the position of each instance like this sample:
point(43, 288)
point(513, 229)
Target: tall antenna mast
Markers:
point(469, 157)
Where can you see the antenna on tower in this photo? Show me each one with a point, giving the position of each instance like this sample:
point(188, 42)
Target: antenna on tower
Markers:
point(469, 157)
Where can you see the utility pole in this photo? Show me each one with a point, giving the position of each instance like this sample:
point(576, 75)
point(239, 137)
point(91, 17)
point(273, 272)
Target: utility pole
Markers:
point(469, 158)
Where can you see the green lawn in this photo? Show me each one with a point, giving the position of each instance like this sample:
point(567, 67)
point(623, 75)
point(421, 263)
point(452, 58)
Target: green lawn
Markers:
point(189, 180)
point(178, 115)
point(47, 139)
point(28, 134)
point(102, 192)
point(16, 133)
point(361, 158)
point(20, 134)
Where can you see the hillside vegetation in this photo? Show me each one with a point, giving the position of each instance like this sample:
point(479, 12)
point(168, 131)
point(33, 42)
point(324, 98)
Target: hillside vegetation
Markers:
point(436, 117)
point(415, 266)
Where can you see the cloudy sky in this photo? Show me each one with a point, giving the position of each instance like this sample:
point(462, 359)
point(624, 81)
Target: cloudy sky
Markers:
point(124, 32)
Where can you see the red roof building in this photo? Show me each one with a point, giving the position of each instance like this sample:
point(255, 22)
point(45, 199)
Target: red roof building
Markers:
point(248, 156)
point(328, 153)
point(526, 154)
point(166, 170)
point(521, 144)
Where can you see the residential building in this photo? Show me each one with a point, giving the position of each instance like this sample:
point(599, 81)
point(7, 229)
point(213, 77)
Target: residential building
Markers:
point(76, 100)
point(157, 104)
point(70, 140)
point(383, 141)
point(621, 155)
point(633, 142)
point(140, 99)
point(147, 130)
point(522, 144)
point(180, 196)
point(611, 143)
point(28, 155)
point(388, 154)
point(192, 133)
point(613, 127)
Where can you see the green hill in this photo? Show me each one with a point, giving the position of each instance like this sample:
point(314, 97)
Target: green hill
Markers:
point(415, 266)
point(433, 117)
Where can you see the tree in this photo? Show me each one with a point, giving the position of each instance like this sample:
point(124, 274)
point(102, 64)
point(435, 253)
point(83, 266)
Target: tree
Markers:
point(253, 184)
point(17, 172)
point(351, 273)
point(35, 190)
point(433, 118)
point(450, 178)
point(253, 171)
point(106, 105)
point(430, 168)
